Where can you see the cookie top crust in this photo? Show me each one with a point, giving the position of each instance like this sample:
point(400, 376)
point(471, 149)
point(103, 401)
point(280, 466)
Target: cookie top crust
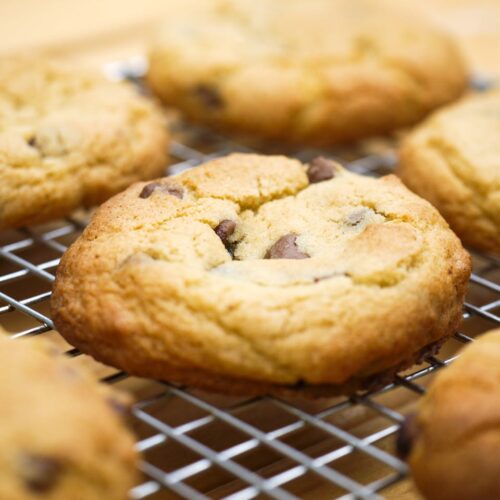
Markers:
point(70, 138)
point(454, 437)
point(304, 71)
point(62, 434)
point(260, 267)
point(453, 160)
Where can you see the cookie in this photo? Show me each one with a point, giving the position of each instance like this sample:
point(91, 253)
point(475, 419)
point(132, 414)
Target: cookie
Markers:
point(453, 160)
point(70, 138)
point(304, 71)
point(61, 435)
point(259, 274)
point(452, 443)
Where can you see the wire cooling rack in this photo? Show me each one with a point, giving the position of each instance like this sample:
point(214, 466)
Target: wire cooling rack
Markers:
point(199, 445)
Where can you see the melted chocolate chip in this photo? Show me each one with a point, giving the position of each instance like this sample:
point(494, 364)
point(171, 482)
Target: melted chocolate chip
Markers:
point(408, 432)
point(150, 188)
point(224, 230)
point(209, 96)
point(40, 473)
point(286, 248)
point(321, 169)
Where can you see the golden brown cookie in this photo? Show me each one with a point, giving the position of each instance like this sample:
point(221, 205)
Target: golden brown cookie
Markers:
point(256, 274)
point(70, 138)
point(61, 435)
point(452, 443)
point(453, 160)
point(304, 71)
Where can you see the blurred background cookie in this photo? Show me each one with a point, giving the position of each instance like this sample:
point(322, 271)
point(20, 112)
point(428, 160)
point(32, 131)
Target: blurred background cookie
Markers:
point(70, 138)
point(453, 160)
point(61, 435)
point(305, 71)
point(452, 443)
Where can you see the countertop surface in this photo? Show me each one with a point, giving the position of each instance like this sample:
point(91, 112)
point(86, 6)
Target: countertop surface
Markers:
point(102, 30)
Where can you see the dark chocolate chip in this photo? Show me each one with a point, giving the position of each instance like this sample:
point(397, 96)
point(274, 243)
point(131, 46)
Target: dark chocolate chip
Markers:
point(224, 230)
point(209, 96)
point(40, 473)
point(321, 169)
point(407, 434)
point(149, 189)
point(286, 248)
point(32, 142)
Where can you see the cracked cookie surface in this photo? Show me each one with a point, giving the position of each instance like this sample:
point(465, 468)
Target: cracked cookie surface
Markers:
point(452, 442)
point(61, 436)
point(70, 138)
point(259, 275)
point(453, 160)
point(304, 71)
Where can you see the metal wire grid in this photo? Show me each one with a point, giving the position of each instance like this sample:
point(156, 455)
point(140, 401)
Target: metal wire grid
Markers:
point(262, 447)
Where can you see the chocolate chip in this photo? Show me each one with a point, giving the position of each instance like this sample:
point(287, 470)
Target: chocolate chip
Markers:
point(224, 230)
point(209, 96)
point(32, 142)
point(407, 434)
point(149, 189)
point(321, 169)
point(286, 248)
point(40, 473)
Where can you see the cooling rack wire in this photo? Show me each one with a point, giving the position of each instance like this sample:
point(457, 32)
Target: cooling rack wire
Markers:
point(197, 445)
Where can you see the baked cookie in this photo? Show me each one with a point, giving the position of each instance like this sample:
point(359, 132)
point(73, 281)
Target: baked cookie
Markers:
point(61, 436)
point(453, 160)
point(258, 274)
point(452, 443)
point(70, 138)
point(304, 71)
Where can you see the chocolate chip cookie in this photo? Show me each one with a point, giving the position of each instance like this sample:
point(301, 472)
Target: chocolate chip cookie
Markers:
point(70, 138)
point(61, 435)
point(259, 274)
point(453, 160)
point(452, 443)
point(304, 71)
